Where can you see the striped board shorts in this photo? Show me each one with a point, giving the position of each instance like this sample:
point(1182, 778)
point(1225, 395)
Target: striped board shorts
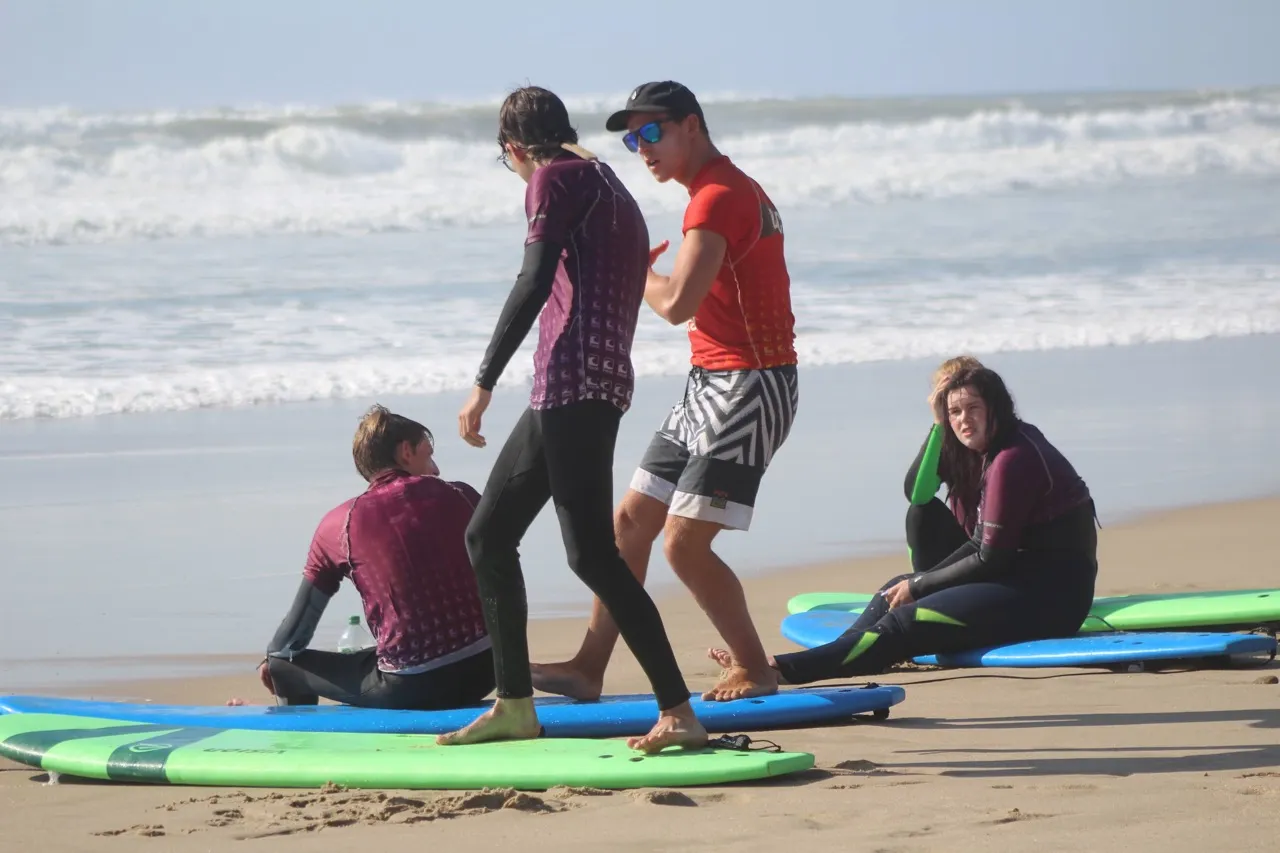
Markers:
point(707, 459)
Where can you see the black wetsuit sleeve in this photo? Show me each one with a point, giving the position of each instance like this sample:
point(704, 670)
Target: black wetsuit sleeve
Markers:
point(909, 484)
point(299, 626)
point(970, 563)
point(530, 293)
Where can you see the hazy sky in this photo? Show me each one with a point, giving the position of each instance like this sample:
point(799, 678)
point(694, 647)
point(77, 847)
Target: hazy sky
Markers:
point(192, 53)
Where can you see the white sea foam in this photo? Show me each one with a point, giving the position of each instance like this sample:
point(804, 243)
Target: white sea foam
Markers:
point(1036, 223)
point(68, 177)
point(166, 359)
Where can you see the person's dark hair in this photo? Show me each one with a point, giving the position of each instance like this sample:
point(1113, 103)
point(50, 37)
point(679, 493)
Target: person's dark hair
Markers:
point(537, 121)
point(379, 434)
point(963, 466)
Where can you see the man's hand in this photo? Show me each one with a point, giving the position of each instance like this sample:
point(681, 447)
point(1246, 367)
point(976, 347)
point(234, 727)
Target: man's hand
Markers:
point(675, 298)
point(656, 252)
point(469, 417)
point(899, 595)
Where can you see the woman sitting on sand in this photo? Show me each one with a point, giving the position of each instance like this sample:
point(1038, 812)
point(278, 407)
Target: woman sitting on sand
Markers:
point(932, 531)
point(1015, 559)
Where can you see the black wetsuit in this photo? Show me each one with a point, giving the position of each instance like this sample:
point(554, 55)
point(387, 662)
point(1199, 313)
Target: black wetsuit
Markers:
point(586, 261)
point(1026, 571)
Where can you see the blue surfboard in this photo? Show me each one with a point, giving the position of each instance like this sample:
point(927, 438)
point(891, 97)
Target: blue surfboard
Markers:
point(818, 627)
point(612, 716)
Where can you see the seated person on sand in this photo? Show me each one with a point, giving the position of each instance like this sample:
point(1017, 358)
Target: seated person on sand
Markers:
point(1014, 558)
point(403, 544)
point(927, 474)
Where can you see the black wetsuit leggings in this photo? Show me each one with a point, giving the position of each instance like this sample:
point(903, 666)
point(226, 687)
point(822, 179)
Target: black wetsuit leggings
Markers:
point(564, 454)
point(354, 679)
point(1043, 595)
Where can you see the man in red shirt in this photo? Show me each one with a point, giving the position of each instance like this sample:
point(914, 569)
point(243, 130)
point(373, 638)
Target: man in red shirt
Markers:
point(402, 542)
point(703, 468)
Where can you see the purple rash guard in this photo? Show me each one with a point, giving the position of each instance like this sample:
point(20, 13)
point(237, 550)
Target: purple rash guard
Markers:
point(402, 543)
point(585, 265)
point(1032, 500)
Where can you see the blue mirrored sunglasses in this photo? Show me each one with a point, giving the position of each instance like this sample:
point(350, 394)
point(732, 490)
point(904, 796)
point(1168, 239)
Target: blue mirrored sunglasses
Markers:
point(650, 133)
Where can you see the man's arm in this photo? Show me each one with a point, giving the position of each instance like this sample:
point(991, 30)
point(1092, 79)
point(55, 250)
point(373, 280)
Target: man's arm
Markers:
point(675, 298)
point(320, 580)
point(299, 626)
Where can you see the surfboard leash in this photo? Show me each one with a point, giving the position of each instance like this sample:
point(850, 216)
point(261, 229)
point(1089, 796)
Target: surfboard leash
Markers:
point(743, 743)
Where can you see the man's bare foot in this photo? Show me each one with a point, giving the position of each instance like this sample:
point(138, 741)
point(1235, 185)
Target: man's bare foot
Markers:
point(566, 679)
point(508, 719)
point(726, 659)
point(722, 656)
point(678, 726)
point(737, 682)
point(236, 702)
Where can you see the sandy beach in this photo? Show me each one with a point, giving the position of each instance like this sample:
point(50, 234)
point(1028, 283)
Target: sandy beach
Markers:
point(1056, 759)
point(226, 231)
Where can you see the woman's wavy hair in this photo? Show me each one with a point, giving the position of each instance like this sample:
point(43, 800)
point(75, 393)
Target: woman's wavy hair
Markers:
point(965, 467)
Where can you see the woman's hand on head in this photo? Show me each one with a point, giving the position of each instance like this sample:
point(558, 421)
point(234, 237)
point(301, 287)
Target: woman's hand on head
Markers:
point(934, 396)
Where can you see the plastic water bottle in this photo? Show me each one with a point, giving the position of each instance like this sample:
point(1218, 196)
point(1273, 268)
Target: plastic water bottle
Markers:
point(355, 638)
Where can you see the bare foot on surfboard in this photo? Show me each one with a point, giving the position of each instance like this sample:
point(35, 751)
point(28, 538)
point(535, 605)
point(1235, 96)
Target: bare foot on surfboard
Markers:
point(727, 662)
point(738, 682)
point(678, 726)
point(565, 679)
point(724, 657)
point(508, 719)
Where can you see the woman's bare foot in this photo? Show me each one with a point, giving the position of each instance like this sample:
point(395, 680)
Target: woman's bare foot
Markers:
point(508, 719)
point(236, 702)
point(677, 726)
point(566, 679)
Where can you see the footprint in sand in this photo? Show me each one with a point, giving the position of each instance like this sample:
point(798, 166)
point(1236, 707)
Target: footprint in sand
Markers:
point(1016, 815)
point(276, 814)
point(145, 830)
point(664, 798)
point(860, 766)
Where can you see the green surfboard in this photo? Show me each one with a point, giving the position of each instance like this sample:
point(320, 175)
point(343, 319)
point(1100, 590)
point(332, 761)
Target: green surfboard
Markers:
point(1241, 609)
point(166, 754)
point(844, 601)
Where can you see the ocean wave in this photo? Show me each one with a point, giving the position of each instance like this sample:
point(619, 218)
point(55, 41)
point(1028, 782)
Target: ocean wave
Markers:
point(71, 178)
point(370, 355)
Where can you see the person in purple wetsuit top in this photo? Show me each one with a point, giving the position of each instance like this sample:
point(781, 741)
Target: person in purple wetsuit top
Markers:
point(586, 258)
point(1016, 561)
point(402, 542)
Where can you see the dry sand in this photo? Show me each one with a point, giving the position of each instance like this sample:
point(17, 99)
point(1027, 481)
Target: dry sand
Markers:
point(992, 760)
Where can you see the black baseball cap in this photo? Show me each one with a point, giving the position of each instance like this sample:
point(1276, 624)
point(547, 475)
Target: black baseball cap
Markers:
point(667, 96)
